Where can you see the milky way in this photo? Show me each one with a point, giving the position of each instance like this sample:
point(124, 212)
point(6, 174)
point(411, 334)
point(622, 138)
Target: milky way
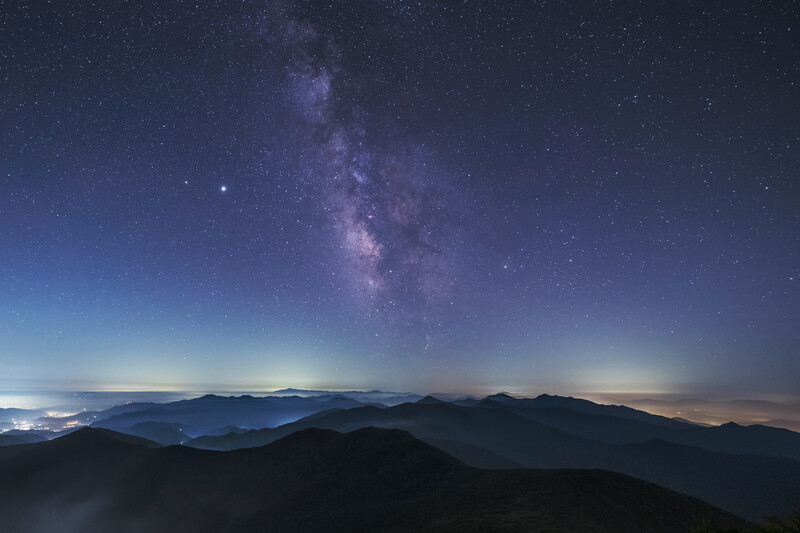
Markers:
point(379, 198)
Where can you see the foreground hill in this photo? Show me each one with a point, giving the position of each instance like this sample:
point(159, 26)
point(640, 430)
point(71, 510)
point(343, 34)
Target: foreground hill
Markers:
point(316, 480)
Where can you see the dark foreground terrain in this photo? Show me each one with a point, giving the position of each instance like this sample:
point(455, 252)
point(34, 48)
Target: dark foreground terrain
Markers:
point(752, 472)
point(317, 480)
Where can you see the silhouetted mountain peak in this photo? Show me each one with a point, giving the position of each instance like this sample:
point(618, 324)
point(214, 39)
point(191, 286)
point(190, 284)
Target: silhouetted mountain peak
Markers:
point(209, 397)
point(557, 397)
point(503, 397)
point(430, 400)
point(86, 435)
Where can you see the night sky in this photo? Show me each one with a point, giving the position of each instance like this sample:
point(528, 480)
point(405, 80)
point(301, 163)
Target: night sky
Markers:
point(448, 196)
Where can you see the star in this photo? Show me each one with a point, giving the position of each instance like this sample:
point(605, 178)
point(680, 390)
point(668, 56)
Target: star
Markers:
point(381, 193)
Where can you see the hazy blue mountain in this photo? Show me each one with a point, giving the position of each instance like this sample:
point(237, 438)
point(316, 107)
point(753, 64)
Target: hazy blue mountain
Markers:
point(20, 438)
point(46, 434)
point(316, 480)
point(26, 436)
point(211, 412)
point(89, 417)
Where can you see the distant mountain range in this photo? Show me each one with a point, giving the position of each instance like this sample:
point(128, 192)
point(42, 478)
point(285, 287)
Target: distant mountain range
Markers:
point(317, 480)
point(205, 414)
point(751, 471)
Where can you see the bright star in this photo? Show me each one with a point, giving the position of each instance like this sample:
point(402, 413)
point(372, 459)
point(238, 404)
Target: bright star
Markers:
point(223, 188)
